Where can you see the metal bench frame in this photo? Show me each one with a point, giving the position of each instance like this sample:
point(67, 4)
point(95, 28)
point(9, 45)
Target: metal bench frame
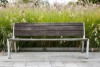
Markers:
point(14, 39)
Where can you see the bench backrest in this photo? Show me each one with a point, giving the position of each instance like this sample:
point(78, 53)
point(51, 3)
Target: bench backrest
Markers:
point(48, 29)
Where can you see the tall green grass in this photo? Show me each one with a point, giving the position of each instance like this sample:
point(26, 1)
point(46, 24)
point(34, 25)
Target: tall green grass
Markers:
point(89, 14)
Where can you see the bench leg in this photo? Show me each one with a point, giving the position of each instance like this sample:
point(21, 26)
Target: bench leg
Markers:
point(8, 45)
point(87, 49)
point(15, 47)
point(82, 46)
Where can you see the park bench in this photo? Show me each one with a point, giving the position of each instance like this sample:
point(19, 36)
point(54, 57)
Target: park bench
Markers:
point(49, 29)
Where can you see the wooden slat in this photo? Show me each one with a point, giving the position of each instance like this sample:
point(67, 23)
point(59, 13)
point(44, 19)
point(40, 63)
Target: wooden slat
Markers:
point(48, 24)
point(49, 28)
point(48, 33)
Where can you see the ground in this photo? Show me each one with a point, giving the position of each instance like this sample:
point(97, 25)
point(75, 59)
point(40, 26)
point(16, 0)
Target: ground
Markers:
point(50, 59)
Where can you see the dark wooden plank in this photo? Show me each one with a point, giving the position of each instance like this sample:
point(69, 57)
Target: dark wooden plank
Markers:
point(49, 28)
point(49, 33)
point(48, 24)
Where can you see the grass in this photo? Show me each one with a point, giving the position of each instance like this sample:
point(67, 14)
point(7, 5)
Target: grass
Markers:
point(89, 14)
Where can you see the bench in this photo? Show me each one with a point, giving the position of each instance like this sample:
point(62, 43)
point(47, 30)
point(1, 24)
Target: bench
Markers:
point(49, 29)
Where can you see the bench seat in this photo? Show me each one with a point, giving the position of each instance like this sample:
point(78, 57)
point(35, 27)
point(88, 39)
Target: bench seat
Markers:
point(51, 39)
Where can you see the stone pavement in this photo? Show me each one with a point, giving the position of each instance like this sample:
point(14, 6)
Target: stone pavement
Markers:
point(50, 59)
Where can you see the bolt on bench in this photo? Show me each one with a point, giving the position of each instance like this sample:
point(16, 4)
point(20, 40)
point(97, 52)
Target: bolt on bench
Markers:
point(48, 29)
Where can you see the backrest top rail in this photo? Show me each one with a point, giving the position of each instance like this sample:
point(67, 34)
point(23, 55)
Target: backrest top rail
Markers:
point(49, 24)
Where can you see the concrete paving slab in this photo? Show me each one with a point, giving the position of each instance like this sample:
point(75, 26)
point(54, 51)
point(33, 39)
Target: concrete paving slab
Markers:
point(6, 64)
point(50, 59)
point(57, 64)
point(19, 64)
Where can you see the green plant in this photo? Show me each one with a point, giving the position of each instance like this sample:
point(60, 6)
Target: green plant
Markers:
point(3, 37)
point(96, 35)
point(26, 1)
point(93, 1)
point(89, 14)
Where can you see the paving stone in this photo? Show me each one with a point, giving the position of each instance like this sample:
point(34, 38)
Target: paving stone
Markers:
point(44, 64)
point(31, 66)
point(83, 64)
point(19, 64)
point(6, 64)
point(57, 64)
point(71, 65)
point(94, 64)
point(32, 63)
